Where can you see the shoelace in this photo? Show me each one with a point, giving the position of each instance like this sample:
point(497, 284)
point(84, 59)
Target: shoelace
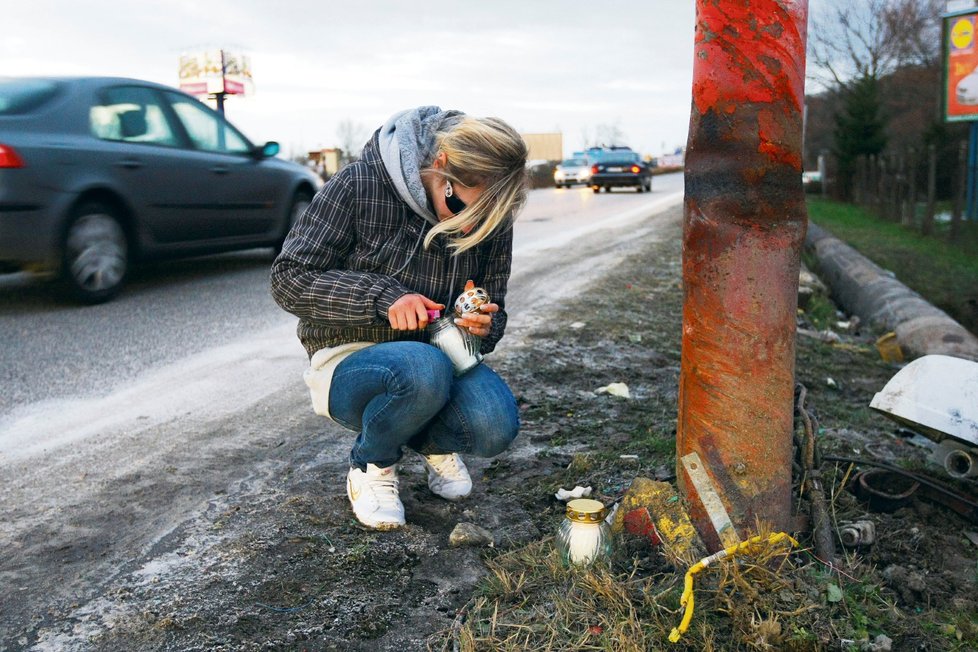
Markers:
point(448, 468)
point(385, 490)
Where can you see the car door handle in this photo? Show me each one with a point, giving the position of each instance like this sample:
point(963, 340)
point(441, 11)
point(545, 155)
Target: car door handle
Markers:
point(129, 164)
point(220, 169)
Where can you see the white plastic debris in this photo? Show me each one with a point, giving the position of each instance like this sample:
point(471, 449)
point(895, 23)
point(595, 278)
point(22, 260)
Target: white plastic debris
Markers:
point(831, 382)
point(615, 389)
point(578, 324)
point(823, 336)
point(577, 492)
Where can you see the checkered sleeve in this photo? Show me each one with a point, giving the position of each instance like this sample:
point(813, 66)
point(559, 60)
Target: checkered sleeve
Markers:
point(309, 278)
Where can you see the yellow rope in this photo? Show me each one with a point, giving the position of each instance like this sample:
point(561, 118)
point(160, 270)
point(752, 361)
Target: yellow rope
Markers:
point(687, 599)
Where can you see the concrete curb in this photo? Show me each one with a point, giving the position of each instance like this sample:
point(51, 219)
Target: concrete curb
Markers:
point(864, 289)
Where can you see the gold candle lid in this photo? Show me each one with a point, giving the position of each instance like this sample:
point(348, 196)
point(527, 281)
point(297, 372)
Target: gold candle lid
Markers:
point(585, 510)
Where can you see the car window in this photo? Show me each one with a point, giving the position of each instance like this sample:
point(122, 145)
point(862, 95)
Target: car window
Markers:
point(20, 96)
point(618, 159)
point(206, 129)
point(131, 114)
point(575, 162)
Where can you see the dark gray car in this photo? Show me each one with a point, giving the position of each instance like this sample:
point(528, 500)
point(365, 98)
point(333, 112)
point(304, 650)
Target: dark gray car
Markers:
point(96, 173)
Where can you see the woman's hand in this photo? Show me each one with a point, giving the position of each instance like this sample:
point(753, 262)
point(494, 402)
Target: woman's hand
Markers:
point(410, 312)
point(478, 323)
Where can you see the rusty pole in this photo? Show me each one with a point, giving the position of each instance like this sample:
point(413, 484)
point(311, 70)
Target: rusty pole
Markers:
point(744, 224)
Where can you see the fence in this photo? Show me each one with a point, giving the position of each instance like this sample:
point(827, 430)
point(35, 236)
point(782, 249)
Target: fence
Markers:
point(902, 187)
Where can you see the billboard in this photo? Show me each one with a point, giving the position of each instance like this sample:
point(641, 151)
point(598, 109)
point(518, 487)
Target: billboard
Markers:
point(960, 67)
point(216, 71)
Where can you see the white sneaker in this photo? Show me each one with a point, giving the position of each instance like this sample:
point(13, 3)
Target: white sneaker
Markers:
point(373, 495)
point(447, 476)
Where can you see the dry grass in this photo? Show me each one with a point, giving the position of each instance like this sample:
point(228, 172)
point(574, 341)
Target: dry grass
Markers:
point(531, 602)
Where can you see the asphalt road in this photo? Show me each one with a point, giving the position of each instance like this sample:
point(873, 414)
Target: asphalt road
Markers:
point(55, 351)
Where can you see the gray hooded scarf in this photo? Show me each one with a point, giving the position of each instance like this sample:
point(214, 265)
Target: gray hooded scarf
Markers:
point(407, 146)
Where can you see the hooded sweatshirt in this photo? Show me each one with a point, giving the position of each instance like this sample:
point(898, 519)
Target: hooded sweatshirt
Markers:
point(407, 146)
point(358, 248)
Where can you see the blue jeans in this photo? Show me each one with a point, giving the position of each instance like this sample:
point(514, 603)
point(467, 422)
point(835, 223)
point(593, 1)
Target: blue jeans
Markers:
point(405, 394)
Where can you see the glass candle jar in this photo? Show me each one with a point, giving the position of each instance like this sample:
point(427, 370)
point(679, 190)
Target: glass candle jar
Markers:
point(583, 536)
point(461, 346)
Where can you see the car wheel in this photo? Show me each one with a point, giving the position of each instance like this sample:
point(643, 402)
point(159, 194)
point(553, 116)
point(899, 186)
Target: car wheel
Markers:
point(596, 189)
point(640, 187)
point(96, 254)
point(300, 202)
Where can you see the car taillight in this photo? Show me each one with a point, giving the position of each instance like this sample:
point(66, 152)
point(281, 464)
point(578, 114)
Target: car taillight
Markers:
point(636, 169)
point(594, 169)
point(9, 158)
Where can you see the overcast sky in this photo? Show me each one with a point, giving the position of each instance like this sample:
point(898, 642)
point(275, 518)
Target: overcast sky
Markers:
point(570, 66)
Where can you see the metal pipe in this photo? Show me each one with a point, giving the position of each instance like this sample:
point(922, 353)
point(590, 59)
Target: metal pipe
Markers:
point(960, 464)
point(744, 224)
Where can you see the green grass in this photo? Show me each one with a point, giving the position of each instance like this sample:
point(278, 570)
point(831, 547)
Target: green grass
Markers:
point(943, 272)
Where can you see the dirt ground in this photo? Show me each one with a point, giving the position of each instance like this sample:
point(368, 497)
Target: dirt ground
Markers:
point(282, 565)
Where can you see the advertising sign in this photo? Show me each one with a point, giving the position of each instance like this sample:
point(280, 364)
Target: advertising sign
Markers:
point(961, 68)
point(216, 71)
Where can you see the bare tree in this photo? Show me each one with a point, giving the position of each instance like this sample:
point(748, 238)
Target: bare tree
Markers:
point(351, 136)
point(872, 38)
point(586, 137)
point(917, 25)
point(609, 134)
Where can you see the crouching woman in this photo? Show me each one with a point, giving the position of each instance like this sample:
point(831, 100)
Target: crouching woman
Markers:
point(428, 206)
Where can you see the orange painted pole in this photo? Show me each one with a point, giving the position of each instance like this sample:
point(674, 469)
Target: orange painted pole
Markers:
point(744, 225)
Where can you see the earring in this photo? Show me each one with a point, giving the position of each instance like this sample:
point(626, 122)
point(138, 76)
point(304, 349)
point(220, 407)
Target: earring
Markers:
point(449, 191)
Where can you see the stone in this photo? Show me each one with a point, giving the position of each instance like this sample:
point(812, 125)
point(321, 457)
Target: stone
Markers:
point(469, 534)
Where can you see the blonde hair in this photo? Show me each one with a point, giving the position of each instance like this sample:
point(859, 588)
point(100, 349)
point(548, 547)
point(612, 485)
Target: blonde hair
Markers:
point(490, 153)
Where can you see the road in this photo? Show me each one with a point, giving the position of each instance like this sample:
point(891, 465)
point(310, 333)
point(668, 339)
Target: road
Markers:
point(57, 352)
point(120, 422)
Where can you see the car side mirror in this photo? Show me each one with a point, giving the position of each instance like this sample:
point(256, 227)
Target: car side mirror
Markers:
point(269, 149)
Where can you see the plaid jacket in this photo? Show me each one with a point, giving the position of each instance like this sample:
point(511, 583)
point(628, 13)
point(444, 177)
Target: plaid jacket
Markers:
point(358, 248)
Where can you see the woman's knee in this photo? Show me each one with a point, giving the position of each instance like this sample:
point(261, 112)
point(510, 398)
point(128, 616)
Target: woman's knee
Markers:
point(422, 373)
point(492, 434)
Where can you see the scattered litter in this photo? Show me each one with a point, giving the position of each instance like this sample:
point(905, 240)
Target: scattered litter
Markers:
point(615, 389)
point(889, 348)
point(628, 458)
point(831, 383)
point(850, 325)
point(576, 492)
point(859, 533)
point(578, 324)
point(635, 337)
point(828, 336)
